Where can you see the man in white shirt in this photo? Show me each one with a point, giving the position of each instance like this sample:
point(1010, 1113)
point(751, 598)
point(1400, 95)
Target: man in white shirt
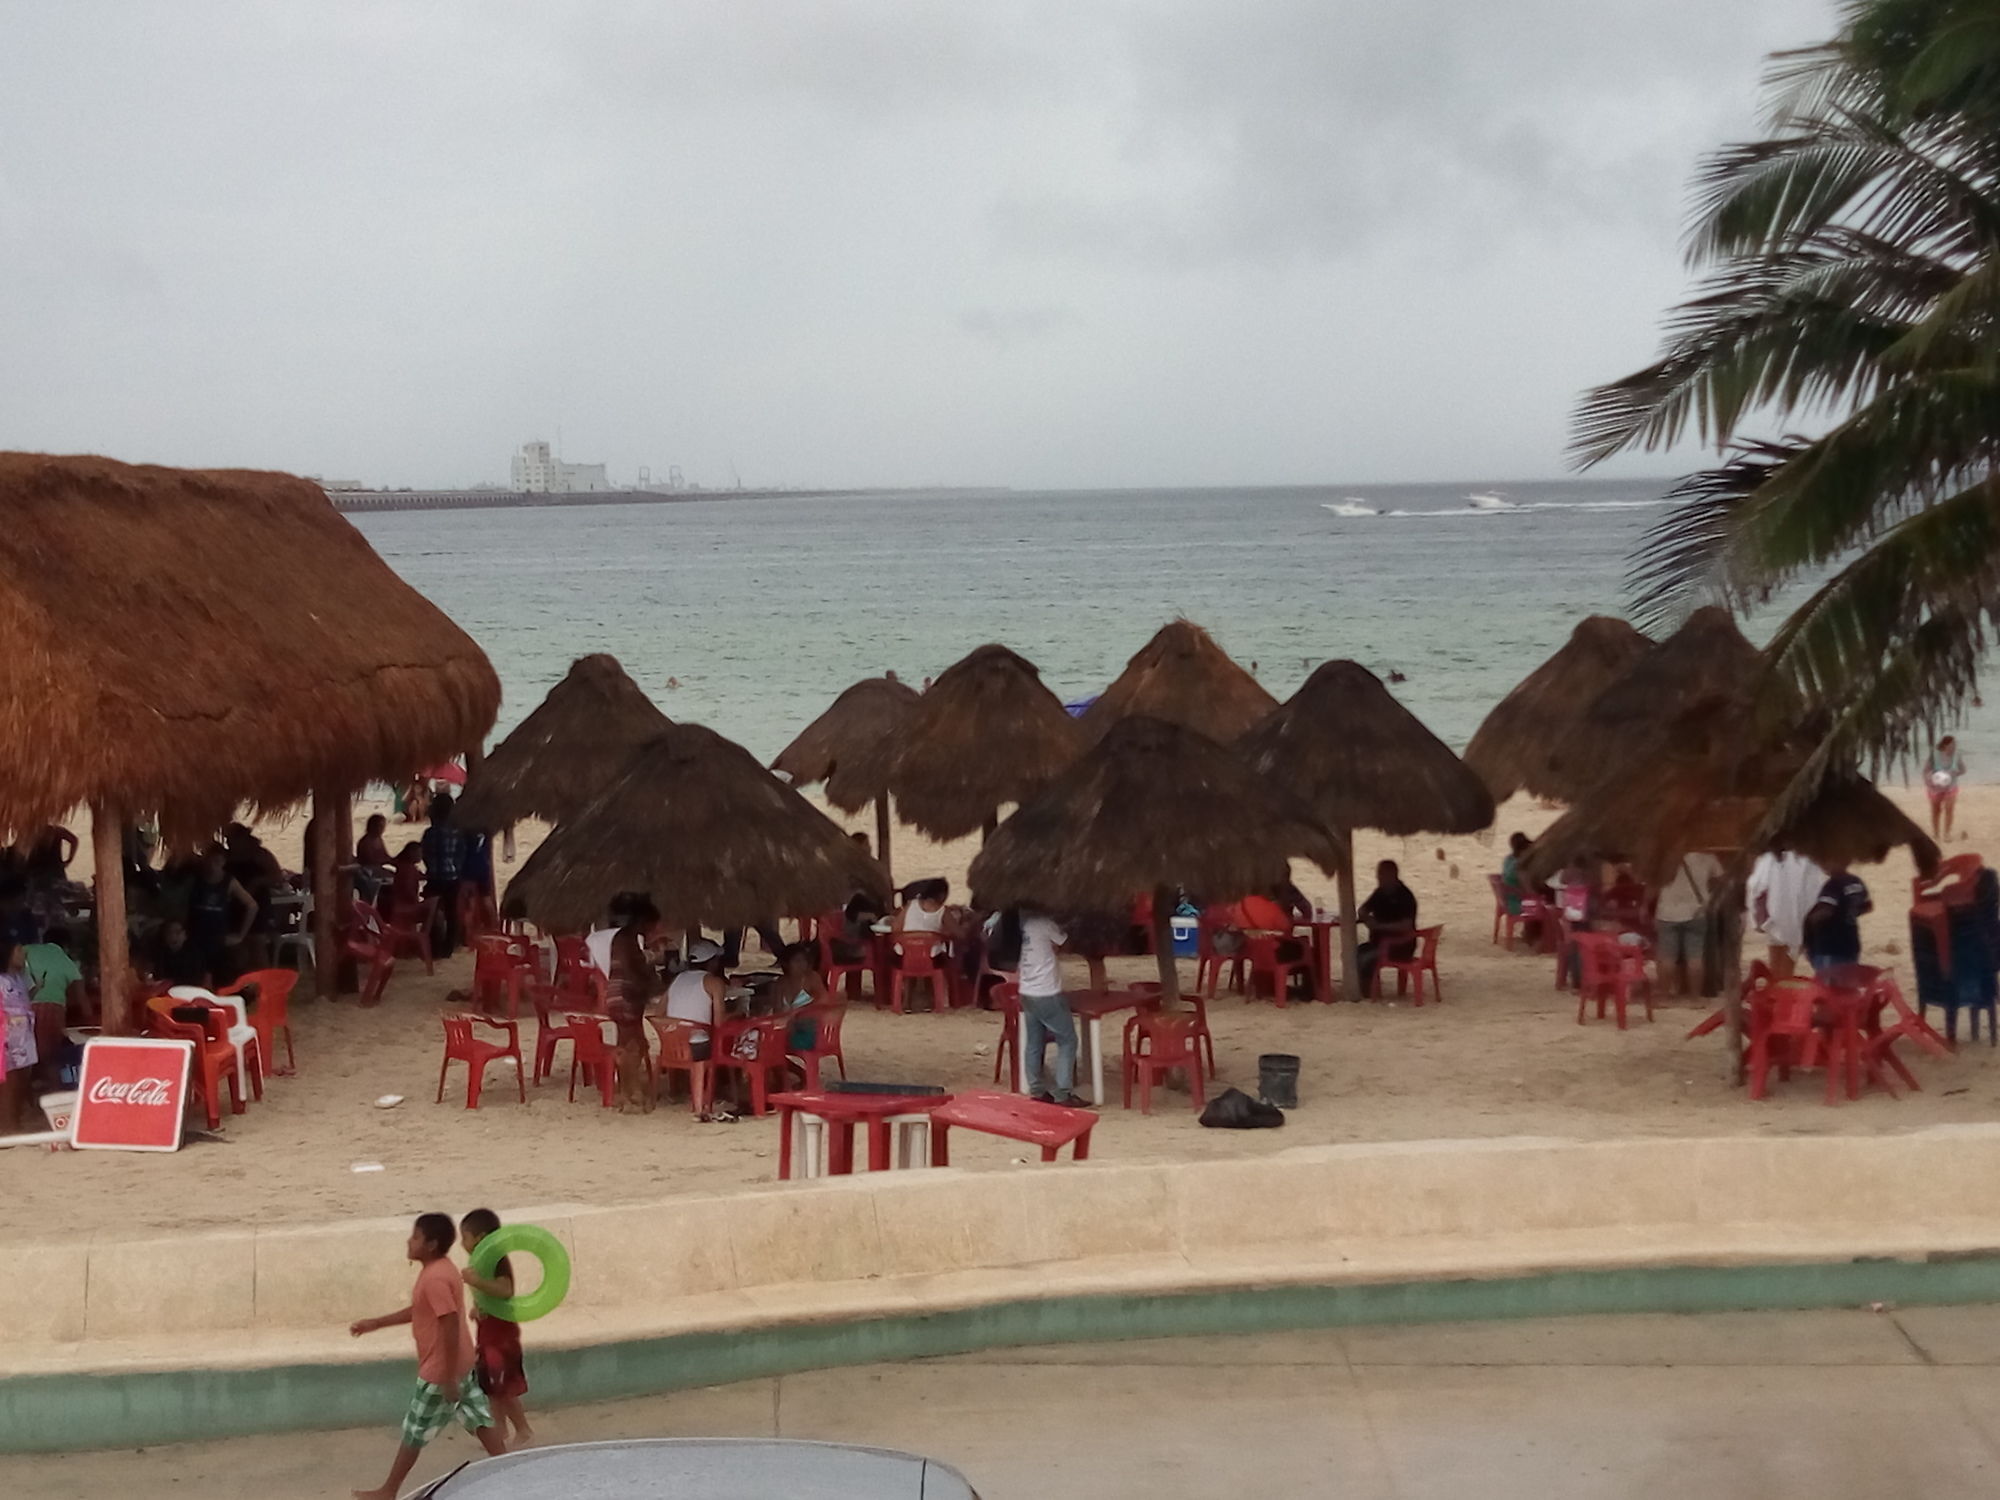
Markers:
point(1682, 918)
point(1045, 1012)
point(1782, 889)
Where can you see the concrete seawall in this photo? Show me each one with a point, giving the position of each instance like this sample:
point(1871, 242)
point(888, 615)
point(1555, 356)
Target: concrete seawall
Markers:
point(127, 1341)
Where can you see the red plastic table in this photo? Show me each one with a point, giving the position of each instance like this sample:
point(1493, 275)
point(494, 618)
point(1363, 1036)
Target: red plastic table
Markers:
point(842, 1112)
point(1013, 1116)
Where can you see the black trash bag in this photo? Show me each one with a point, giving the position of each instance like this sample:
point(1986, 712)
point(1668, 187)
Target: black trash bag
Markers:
point(1235, 1110)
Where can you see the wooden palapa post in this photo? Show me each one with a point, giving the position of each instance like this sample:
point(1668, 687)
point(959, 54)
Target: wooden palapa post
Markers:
point(1163, 944)
point(324, 881)
point(114, 957)
point(1350, 935)
point(882, 836)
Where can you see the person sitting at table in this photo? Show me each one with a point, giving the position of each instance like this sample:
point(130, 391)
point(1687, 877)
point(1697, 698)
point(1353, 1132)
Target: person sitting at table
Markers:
point(698, 994)
point(1271, 912)
point(1390, 915)
point(799, 990)
point(1511, 888)
point(923, 907)
point(55, 984)
point(372, 848)
point(169, 958)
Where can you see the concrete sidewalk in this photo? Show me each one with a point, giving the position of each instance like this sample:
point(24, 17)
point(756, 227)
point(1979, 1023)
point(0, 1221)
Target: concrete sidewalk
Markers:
point(1835, 1405)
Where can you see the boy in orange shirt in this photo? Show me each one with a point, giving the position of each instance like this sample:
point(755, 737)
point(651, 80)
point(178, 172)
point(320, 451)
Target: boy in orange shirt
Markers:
point(446, 1386)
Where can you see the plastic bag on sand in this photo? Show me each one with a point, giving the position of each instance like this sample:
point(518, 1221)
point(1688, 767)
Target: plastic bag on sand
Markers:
point(1235, 1110)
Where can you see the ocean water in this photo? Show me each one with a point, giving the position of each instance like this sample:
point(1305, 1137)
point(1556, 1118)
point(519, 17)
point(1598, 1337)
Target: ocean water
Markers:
point(764, 609)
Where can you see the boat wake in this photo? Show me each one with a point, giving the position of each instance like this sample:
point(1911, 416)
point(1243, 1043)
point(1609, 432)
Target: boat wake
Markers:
point(1349, 507)
point(1490, 504)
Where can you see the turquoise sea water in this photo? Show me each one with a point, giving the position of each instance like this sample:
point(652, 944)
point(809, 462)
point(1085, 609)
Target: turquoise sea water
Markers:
point(765, 609)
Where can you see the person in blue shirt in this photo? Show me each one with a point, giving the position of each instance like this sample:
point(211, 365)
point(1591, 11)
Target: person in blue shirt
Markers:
point(1833, 926)
point(444, 866)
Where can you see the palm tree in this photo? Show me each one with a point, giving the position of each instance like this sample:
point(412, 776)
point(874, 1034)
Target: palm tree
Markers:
point(1850, 284)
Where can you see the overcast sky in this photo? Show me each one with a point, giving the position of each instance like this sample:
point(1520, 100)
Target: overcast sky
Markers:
point(954, 241)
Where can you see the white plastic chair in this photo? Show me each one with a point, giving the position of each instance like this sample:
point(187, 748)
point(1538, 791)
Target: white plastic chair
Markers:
point(299, 938)
point(242, 1034)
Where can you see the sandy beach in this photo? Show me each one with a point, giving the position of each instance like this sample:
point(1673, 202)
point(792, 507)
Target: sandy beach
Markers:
point(1502, 1055)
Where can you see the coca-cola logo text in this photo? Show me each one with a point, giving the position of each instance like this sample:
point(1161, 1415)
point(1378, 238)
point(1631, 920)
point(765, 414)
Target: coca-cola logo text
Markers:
point(142, 1091)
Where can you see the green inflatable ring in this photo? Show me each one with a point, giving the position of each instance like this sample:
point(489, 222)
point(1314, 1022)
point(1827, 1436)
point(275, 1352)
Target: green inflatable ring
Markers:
point(522, 1239)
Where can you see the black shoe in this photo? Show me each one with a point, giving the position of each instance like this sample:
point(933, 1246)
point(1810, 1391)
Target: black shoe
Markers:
point(1074, 1101)
point(1043, 1098)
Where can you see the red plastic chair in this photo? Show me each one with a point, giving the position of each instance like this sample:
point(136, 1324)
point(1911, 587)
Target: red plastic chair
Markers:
point(825, 1046)
point(500, 974)
point(594, 1053)
point(270, 1012)
point(477, 916)
point(1532, 913)
point(1415, 967)
point(1783, 1033)
point(408, 934)
point(756, 1049)
point(1262, 953)
point(677, 1056)
point(214, 1057)
point(1159, 1043)
point(922, 958)
point(830, 925)
point(363, 940)
point(554, 1026)
point(1613, 973)
point(1209, 964)
point(460, 1045)
point(1007, 1001)
point(572, 958)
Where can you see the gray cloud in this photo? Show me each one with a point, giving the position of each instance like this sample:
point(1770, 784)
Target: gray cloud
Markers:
point(1116, 243)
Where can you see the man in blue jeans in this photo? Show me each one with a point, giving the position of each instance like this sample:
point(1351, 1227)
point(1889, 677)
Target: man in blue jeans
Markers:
point(1045, 1011)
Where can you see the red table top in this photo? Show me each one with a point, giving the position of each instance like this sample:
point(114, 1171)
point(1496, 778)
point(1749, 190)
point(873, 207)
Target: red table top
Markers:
point(1094, 1006)
point(1015, 1116)
point(831, 1106)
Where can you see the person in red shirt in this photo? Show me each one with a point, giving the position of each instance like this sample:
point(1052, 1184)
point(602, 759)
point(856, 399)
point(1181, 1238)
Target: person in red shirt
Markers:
point(497, 1341)
point(446, 1383)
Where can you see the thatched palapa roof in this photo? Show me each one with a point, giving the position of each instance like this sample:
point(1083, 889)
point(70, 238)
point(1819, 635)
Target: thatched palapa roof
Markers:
point(187, 641)
point(851, 746)
point(1359, 759)
point(986, 734)
point(1151, 804)
point(717, 840)
point(1513, 749)
point(1686, 695)
point(563, 754)
point(1183, 677)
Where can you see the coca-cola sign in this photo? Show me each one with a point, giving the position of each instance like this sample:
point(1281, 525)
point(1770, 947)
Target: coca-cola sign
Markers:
point(131, 1094)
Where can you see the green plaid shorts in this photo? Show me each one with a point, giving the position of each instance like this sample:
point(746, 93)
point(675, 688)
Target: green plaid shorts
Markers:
point(431, 1407)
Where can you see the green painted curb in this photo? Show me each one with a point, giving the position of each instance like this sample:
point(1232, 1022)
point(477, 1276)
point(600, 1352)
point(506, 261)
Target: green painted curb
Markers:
point(57, 1413)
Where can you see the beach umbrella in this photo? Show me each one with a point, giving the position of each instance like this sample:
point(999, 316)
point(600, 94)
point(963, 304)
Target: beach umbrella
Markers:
point(712, 836)
point(850, 748)
point(988, 733)
point(450, 772)
point(183, 642)
point(1183, 677)
point(556, 760)
point(1359, 759)
point(1153, 807)
point(1513, 750)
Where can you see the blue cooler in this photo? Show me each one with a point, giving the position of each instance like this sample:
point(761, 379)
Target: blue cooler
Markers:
point(1187, 936)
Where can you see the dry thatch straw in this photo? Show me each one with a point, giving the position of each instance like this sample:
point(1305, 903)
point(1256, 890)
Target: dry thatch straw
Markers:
point(188, 641)
point(1183, 677)
point(1153, 806)
point(563, 754)
point(986, 734)
point(1513, 749)
point(851, 746)
point(713, 837)
point(1359, 759)
point(1677, 690)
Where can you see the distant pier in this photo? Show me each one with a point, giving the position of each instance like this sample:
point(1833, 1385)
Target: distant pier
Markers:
point(377, 500)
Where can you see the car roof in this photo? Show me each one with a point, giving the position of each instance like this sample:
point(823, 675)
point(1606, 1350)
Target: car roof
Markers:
point(705, 1469)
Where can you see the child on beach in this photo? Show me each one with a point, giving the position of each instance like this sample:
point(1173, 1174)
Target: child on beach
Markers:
point(496, 1341)
point(446, 1386)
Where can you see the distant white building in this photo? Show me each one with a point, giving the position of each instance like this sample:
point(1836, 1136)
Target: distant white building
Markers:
point(537, 471)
